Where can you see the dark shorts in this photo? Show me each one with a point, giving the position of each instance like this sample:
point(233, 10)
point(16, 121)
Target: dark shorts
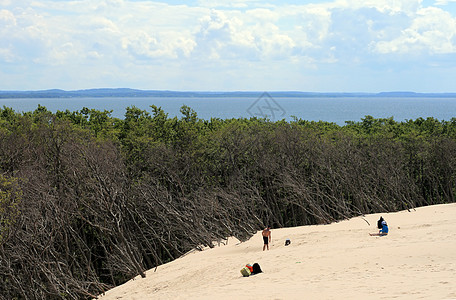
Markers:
point(265, 240)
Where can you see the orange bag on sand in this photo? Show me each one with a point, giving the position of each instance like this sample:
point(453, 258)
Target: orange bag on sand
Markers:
point(250, 267)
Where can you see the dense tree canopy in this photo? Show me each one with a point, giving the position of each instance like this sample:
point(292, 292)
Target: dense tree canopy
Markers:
point(88, 201)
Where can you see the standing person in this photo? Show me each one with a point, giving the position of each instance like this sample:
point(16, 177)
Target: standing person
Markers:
point(266, 237)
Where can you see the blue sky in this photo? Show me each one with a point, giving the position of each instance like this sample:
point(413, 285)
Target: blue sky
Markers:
point(229, 45)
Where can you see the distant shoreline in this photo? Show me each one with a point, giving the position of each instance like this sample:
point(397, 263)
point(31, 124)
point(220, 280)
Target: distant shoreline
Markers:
point(126, 92)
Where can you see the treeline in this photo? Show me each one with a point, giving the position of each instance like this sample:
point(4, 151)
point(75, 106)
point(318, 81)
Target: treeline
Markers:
point(88, 201)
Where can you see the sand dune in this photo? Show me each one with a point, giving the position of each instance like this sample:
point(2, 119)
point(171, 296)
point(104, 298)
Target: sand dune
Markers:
point(417, 260)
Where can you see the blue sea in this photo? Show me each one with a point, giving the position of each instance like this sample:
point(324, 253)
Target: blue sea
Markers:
point(331, 109)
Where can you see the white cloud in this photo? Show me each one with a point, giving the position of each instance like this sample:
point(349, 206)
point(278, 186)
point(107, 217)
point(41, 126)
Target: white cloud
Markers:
point(431, 31)
point(387, 6)
point(444, 2)
point(6, 55)
point(226, 3)
point(221, 36)
point(249, 36)
point(7, 19)
point(144, 46)
point(312, 23)
point(142, 37)
point(262, 15)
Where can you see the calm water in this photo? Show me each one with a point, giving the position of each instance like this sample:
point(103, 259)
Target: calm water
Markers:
point(336, 109)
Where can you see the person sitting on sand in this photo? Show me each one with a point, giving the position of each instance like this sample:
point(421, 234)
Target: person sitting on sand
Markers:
point(266, 237)
point(383, 231)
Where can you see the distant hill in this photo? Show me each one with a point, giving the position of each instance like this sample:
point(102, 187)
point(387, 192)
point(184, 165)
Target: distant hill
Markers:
point(126, 92)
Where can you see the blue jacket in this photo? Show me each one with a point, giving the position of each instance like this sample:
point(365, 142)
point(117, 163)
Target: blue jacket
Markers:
point(384, 227)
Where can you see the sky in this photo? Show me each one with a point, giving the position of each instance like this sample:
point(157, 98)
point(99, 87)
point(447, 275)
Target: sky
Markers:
point(229, 45)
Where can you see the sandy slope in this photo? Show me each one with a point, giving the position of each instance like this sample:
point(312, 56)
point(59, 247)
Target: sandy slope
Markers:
point(417, 260)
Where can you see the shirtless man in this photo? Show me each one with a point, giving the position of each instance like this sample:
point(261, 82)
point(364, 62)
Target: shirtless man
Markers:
point(266, 237)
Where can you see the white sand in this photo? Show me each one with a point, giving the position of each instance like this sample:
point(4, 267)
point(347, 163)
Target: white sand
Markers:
point(417, 260)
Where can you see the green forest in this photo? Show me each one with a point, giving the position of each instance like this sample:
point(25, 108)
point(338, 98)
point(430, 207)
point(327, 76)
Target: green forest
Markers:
point(88, 201)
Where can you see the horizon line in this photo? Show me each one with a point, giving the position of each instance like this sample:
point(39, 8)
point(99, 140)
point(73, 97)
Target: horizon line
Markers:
point(100, 89)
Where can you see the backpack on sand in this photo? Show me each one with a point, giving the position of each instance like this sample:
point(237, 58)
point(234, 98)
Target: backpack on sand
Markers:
point(256, 268)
